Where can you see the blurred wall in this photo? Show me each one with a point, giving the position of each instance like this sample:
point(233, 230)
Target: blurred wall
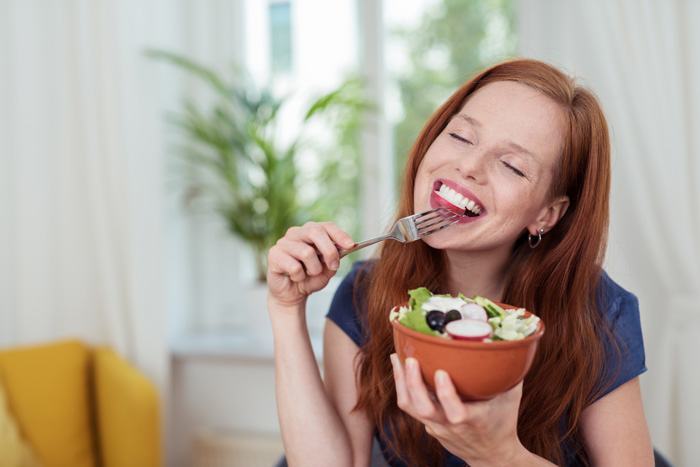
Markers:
point(642, 58)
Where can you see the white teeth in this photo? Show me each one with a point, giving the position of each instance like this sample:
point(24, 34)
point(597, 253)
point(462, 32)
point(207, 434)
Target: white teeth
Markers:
point(457, 199)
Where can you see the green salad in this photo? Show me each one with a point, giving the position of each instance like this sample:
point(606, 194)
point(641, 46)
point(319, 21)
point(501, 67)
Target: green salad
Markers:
point(463, 318)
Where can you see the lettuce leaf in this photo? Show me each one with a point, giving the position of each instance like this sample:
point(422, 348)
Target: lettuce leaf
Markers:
point(418, 297)
point(415, 318)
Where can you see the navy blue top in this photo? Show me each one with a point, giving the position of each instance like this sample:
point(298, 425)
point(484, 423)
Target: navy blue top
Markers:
point(621, 311)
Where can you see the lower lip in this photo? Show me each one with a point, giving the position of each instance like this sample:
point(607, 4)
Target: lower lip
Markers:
point(437, 201)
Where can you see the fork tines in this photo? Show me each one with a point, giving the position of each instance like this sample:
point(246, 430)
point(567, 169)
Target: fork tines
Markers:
point(429, 222)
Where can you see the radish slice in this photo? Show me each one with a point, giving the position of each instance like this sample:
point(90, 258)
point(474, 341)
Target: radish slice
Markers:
point(468, 329)
point(474, 311)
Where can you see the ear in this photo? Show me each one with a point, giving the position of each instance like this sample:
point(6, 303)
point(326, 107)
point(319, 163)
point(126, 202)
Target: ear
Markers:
point(549, 215)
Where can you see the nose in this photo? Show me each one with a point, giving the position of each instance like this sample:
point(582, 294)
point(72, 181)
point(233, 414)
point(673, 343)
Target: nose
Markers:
point(473, 166)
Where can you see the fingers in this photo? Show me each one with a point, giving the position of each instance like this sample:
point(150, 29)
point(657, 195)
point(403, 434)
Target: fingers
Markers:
point(324, 239)
point(513, 395)
point(402, 398)
point(325, 246)
point(304, 253)
point(338, 236)
point(284, 264)
point(417, 391)
point(455, 410)
point(411, 394)
point(516, 392)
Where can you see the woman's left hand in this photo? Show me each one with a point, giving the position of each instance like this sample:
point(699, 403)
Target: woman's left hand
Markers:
point(480, 433)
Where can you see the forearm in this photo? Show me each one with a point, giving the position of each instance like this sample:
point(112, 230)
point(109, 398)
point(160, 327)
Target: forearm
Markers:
point(531, 459)
point(520, 457)
point(312, 431)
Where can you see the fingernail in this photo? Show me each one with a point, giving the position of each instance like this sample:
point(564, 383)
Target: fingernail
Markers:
point(335, 265)
point(441, 376)
point(411, 363)
point(392, 357)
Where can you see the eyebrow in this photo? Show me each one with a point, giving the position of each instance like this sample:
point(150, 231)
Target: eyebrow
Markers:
point(469, 119)
point(509, 144)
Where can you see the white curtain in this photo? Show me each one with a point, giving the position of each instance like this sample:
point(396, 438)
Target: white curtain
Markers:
point(93, 240)
point(642, 58)
point(81, 177)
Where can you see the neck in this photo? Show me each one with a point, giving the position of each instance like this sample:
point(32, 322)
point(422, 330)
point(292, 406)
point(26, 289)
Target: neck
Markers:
point(478, 273)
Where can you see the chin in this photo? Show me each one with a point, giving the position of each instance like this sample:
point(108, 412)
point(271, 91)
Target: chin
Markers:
point(445, 240)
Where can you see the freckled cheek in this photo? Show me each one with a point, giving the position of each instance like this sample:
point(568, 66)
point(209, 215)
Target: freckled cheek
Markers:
point(421, 187)
point(447, 157)
point(439, 153)
point(516, 203)
point(430, 167)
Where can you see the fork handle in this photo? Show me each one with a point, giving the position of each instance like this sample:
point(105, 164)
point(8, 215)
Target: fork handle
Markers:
point(364, 244)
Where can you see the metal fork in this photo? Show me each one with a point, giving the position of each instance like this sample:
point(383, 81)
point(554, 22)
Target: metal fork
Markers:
point(411, 228)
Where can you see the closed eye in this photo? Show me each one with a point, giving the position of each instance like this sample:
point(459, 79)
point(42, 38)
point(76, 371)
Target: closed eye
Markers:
point(516, 171)
point(460, 138)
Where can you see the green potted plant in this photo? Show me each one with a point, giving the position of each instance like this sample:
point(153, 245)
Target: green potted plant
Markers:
point(254, 179)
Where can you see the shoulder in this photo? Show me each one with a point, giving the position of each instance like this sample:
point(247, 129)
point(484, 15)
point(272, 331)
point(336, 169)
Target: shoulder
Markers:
point(620, 307)
point(625, 357)
point(353, 285)
point(612, 296)
point(346, 308)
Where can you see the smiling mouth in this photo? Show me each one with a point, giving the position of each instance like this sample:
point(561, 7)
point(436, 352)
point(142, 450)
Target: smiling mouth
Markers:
point(457, 201)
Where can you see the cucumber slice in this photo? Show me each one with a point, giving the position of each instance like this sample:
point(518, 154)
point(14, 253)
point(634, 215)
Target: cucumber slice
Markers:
point(493, 310)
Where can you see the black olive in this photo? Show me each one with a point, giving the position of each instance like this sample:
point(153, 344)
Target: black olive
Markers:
point(452, 315)
point(435, 320)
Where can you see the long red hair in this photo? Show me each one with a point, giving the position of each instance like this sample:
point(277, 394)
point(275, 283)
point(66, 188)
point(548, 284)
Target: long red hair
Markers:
point(558, 280)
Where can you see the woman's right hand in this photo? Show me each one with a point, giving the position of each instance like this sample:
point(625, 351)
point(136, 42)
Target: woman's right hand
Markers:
point(303, 261)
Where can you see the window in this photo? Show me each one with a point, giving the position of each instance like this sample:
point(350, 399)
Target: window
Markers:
point(312, 51)
point(429, 48)
point(432, 48)
point(280, 37)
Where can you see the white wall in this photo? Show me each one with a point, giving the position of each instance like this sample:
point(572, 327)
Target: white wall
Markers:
point(225, 394)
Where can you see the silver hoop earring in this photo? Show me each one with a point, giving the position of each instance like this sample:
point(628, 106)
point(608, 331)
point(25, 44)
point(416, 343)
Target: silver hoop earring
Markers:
point(534, 241)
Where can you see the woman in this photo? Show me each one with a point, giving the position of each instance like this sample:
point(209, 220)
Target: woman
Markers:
point(531, 148)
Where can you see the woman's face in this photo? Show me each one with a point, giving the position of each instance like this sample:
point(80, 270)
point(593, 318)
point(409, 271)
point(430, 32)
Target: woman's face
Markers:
point(498, 154)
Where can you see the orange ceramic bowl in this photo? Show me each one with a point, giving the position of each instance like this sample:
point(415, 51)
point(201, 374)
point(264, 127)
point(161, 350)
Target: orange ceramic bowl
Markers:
point(479, 370)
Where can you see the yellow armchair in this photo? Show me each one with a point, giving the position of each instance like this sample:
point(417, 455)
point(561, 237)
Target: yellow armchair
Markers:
point(82, 407)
